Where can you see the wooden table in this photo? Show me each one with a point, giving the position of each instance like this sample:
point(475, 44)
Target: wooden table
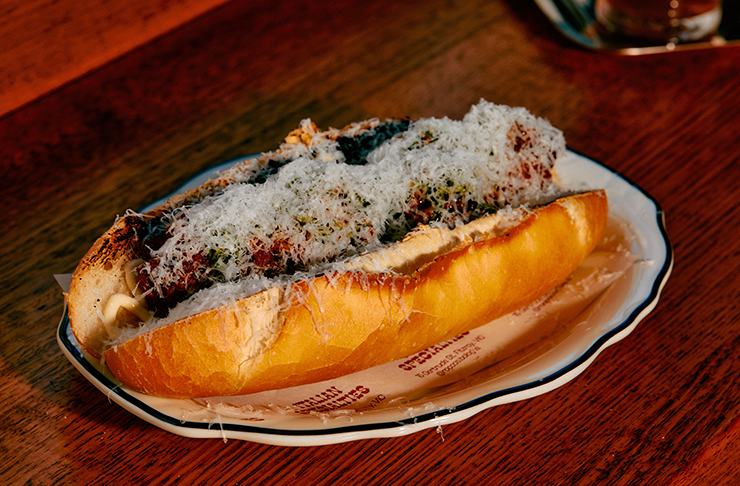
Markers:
point(660, 407)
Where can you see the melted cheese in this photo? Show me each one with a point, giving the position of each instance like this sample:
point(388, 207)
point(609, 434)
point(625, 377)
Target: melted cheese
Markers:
point(131, 304)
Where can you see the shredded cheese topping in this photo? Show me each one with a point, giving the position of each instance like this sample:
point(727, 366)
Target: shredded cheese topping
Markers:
point(315, 209)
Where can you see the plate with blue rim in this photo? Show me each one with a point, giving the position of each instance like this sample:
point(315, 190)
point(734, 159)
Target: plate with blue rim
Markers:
point(628, 306)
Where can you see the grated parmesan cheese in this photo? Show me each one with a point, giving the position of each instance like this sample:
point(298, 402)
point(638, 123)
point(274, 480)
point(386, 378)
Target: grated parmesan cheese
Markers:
point(311, 209)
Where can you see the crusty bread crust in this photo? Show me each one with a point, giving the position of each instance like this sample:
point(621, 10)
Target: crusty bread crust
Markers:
point(340, 323)
point(101, 272)
point(99, 275)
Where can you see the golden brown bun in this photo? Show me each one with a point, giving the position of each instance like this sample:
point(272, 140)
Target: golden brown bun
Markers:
point(345, 322)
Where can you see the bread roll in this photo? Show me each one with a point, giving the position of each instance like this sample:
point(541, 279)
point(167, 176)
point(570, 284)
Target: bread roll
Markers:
point(342, 250)
point(337, 324)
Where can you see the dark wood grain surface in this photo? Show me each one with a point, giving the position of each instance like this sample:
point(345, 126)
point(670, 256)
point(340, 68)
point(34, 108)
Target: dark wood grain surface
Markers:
point(660, 407)
point(47, 43)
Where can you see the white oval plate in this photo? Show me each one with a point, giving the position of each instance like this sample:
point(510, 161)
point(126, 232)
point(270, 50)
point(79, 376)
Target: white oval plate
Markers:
point(626, 307)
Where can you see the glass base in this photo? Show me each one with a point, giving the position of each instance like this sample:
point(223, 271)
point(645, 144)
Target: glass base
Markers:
point(670, 30)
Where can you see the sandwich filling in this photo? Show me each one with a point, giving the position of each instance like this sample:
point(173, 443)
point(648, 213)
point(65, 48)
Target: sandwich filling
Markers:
point(325, 198)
